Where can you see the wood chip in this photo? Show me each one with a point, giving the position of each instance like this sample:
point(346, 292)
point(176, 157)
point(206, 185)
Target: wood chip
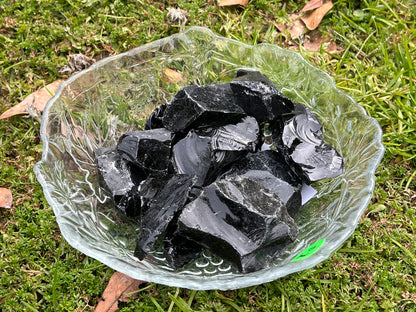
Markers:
point(35, 102)
point(118, 289)
point(313, 19)
point(6, 198)
point(233, 2)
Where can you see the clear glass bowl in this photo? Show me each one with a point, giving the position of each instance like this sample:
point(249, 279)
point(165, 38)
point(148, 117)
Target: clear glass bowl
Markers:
point(94, 107)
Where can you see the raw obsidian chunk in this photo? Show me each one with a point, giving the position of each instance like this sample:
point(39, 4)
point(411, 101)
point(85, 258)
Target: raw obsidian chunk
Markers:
point(259, 97)
point(192, 156)
point(178, 249)
point(289, 194)
point(171, 195)
point(253, 75)
point(205, 152)
point(239, 220)
point(194, 106)
point(243, 136)
point(268, 160)
point(155, 119)
point(269, 169)
point(299, 137)
point(149, 149)
point(120, 179)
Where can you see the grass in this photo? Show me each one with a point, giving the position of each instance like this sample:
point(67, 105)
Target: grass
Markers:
point(373, 271)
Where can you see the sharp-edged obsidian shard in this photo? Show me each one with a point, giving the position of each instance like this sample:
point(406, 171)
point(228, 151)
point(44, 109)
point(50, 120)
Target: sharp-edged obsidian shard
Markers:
point(120, 180)
point(155, 119)
point(268, 160)
point(299, 137)
point(242, 136)
point(240, 221)
point(178, 249)
point(259, 97)
point(171, 195)
point(192, 156)
point(270, 170)
point(149, 149)
point(205, 152)
point(195, 106)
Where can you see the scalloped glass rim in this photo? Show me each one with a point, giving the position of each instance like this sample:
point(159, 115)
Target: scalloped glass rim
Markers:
point(93, 107)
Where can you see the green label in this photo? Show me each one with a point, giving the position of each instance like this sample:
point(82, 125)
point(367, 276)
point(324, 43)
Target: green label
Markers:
point(306, 253)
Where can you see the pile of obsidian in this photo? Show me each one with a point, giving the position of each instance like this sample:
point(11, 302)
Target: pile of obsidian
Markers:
point(199, 175)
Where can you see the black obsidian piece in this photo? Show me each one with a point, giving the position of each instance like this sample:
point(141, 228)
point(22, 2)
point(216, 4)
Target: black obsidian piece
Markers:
point(162, 199)
point(120, 180)
point(240, 221)
point(299, 137)
point(155, 119)
point(195, 106)
point(196, 176)
point(259, 97)
point(149, 149)
point(205, 152)
point(270, 169)
point(178, 249)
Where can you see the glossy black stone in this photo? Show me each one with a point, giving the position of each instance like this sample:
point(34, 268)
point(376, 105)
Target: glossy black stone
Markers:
point(162, 198)
point(239, 220)
point(205, 152)
point(259, 97)
point(268, 160)
point(120, 180)
point(299, 137)
point(178, 249)
point(242, 136)
point(149, 149)
point(195, 106)
point(155, 119)
point(270, 169)
point(192, 156)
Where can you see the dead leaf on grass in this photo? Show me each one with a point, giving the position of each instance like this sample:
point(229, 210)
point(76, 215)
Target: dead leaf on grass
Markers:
point(118, 289)
point(233, 2)
point(172, 76)
point(34, 103)
point(6, 198)
point(312, 5)
point(314, 42)
point(297, 27)
point(314, 18)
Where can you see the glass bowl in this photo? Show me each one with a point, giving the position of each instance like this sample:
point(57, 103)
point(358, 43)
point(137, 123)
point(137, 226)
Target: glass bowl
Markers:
point(94, 107)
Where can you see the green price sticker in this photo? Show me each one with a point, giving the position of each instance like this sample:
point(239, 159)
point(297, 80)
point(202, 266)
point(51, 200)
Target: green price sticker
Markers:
point(306, 253)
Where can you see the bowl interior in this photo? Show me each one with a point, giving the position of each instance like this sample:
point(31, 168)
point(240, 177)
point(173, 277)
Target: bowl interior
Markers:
point(94, 107)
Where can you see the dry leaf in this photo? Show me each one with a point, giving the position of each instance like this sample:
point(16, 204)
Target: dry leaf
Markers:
point(6, 198)
point(313, 19)
point(296, 27)
point(312, 5)
point(314, 42)
point(35, 102)
point(233, 2)
point(172, 76)
point(118, 288)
